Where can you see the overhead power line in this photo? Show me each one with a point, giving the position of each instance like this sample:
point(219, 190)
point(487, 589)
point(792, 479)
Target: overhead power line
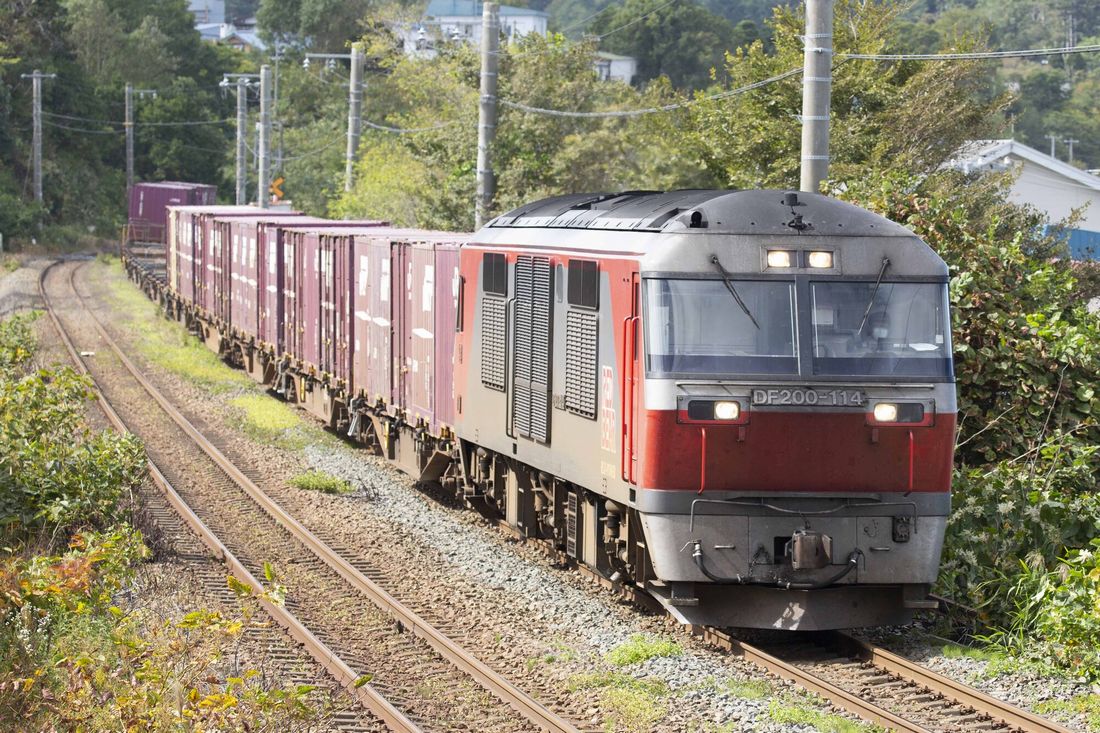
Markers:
point(82, 130)
point(971, 56)
point(408, 130)
point(181, 123)
point(652, 110)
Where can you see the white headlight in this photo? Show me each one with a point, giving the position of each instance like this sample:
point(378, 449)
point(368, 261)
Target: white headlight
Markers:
point(822, 260)
point(886, 412)
point(726, 410)
point(779, 258)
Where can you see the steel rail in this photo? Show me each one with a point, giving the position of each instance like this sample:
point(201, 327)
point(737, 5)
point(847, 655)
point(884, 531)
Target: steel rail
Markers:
point(345, 675)
point(951, 689)
point(837, 696)
point(527, 706)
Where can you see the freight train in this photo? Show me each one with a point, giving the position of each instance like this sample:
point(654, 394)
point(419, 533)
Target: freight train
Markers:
point(739, 402)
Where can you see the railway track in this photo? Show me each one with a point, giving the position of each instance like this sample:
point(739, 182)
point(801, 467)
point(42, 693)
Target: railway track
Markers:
point(864, 680)
point(422, 678)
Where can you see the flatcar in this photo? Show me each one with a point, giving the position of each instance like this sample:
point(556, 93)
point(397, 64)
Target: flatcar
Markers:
point(739, 402)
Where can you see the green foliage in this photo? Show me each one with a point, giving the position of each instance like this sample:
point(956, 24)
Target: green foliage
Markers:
point(681, 41)
point(321, 481)
point(640, 648)
point(69, 660)
point(1087, 705)
point(749, 141)
point(55, 472)
point(795, 714)
point(1056, 613)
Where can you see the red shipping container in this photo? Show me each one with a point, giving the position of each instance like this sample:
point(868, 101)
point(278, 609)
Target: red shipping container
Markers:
point(186, 245)
point(371, 326)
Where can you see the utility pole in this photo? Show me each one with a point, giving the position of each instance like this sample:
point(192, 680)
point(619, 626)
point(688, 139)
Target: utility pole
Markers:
point(129, 125)
point(355, 111)
point(487, 113)
point(1070, 142)
point(817, 82)
point(1052, 138)
point(264, 148)
point(36, 81)
point(242, 120)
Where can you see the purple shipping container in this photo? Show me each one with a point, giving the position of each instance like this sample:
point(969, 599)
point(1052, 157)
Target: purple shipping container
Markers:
point(187, 245)
point(405, 305)
point(372, 328)
point(317, 307)
point(148, 217)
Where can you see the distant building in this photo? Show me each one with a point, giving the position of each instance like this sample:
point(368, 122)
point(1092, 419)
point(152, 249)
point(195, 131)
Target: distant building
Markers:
point(207, 11)
point(460, 20)
point(227, 34)
point(1050, 185)
point(613, 67)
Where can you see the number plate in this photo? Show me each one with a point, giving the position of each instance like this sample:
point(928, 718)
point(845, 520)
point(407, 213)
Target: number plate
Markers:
point(804, 397)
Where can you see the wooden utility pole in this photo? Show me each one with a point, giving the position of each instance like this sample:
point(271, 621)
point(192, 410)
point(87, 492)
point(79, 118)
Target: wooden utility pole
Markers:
point(487, 114)
point(36, 78)
point(817, 82)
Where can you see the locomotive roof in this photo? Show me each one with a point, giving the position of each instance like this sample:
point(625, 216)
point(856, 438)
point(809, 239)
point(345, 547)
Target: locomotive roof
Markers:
point(770, 212)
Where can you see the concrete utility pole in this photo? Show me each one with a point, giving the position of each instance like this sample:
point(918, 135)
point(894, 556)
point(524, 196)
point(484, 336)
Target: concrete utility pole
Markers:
point(36, 78)
point(1069, 141)
point(1052, 138)
point(487, 113)
point(242, 120)
point(355, 111)
point(817, 82)
point(263, 151)
point(129, 125)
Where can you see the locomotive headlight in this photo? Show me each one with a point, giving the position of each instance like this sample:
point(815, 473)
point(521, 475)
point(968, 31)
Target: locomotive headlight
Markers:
point(727, 410)
point(886, 412)
point(779, 258)
point(820, 260)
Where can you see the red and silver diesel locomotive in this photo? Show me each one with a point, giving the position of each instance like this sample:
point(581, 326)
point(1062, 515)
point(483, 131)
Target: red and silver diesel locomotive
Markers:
point(741, 402)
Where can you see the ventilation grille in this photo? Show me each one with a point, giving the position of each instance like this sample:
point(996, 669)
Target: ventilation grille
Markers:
point(492, 342)
point(532, 345)
point(571, 525)
point(581, 349)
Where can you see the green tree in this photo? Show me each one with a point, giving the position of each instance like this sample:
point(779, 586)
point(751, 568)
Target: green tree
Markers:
point(750, 140)
point(682, 40)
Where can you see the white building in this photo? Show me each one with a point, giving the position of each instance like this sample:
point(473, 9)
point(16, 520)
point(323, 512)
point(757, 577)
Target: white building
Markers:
point(1050, 185)
point(461, 20)
point(613, 67)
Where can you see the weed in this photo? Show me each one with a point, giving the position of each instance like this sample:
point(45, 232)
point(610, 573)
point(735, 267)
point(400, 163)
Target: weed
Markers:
point(749, 689)
point(164, 343)
point(596, 680)
point(11, 264)
point(640, 648)
point(632, 710)
point(1087, 705)
point(798, 714)
point(326, 483)
point(266, 420)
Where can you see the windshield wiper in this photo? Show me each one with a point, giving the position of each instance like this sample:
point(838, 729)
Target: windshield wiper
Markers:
point(871, 302)
point(733, 291)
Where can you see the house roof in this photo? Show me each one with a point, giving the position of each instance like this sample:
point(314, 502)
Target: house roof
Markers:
point(982, 154)
point(472, 8)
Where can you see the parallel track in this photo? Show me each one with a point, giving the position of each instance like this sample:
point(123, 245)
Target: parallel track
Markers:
point(531, 710)
point(942, 703)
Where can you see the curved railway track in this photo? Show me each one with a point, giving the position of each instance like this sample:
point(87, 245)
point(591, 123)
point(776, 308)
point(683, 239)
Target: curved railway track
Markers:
point(415, 679)
point(867, 681)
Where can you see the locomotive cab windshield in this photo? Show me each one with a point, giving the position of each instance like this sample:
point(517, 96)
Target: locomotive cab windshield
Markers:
point(695, 328)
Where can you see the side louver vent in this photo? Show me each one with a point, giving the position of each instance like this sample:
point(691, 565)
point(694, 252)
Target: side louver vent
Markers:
point(581, 354)
point(532, 343)
point(492, 342)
